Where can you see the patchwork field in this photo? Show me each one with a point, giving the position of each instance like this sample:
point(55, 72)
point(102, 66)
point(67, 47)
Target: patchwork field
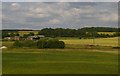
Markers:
point(27, 32)
point(110, 33)
point(76, 58)
point(99, 41)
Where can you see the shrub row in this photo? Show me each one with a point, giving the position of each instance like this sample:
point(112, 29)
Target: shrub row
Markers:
point(42, 43)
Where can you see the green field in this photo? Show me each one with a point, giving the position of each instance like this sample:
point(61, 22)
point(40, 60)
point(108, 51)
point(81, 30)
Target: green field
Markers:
point(76, 58)
point(110, 33)
point(99, 41)
point(27, 32)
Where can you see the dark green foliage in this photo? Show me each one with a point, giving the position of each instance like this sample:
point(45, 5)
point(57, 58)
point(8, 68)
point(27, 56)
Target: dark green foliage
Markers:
point(12, 34)
point(100, 29)
point(42, 43)
point(87, 32)
point(9, 34)
point(31, 34)
point(5, 34)
point(17, 44)
point(61, 44)
point(25, 35)
point(58, 32)
point(17, 34)
point(116, 47)
point(28, 43)
point(50, 43)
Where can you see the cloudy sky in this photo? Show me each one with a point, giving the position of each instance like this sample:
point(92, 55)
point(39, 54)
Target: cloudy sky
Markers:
point(59, 0)
point(38, 15)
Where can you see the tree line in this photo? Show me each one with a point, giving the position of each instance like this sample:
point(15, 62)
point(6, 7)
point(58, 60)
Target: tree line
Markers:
point(87, 32)
point(12, 34)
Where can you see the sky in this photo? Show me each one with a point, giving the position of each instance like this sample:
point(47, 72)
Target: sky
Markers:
point(39, 15)
point(59, 0)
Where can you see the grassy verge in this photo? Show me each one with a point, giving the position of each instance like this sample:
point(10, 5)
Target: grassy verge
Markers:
point(58, 61)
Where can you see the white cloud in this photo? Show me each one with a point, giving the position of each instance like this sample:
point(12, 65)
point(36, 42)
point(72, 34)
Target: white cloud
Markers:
point(58, 13)
point(15, 6)
point(109, 17)
point(60, 0)
point(54, 21)
point(37, 10)
point(37, 15)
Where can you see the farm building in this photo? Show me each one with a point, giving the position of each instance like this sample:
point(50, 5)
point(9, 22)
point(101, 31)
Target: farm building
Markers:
point(12, 38)
point(36, 37)
point(16, 38)
point(8, 38)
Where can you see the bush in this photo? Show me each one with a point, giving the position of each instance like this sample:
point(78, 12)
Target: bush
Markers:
point(28, 43)
point(61, 44)
point(17, 44)
point(116, 47)
point(50, 43)
point(42, 43)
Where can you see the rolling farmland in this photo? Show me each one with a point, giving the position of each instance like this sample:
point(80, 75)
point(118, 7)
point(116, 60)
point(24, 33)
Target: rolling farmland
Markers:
point(99, 41)
point(27, 32)
point(110, 33)
point(74, 59)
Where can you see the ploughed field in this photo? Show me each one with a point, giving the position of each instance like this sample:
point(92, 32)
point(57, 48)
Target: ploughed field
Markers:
point(78, 57)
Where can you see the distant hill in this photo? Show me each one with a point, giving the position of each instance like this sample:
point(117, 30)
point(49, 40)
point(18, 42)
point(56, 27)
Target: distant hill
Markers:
point(19, 30)
point(86, 32)
point(97, 29)
point(100, 29)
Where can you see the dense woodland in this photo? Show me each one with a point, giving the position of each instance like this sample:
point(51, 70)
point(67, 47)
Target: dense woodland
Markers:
point(86, 32)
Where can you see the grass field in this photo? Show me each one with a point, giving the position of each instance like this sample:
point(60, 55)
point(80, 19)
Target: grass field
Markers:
point(99, 41)
point(0, 62)
point(35, 61)
point(79, 43)
point(110, 33)
point(27, 32)
point(74, 59)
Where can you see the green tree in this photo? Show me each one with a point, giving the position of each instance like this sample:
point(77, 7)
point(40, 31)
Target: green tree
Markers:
point(42, 43)
point(12, 34)
point(31, 34)
point(17, 34)
point(17, 44)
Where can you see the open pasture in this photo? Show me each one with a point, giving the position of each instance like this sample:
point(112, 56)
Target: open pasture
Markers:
point(71, 60)
point(98, 41)
point(59, 61)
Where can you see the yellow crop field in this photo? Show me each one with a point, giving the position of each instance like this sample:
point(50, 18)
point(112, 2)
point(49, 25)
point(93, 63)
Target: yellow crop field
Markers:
point(110, 33)
point(99, 41)
point(27, 32)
